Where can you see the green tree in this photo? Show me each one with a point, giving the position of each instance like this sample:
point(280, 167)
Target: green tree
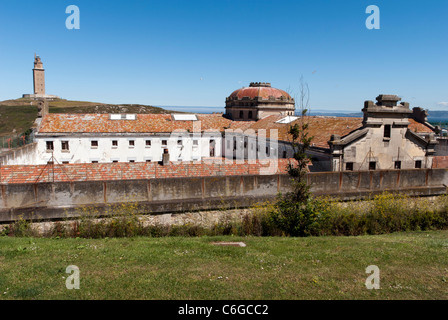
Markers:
point(296, 210)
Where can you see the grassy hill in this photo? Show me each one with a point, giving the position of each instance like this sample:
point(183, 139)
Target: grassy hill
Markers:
point(17, 116)
point(16, 119)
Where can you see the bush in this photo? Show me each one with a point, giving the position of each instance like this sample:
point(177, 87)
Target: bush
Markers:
point(296, 218)
point(19, 228)
point(383, 213)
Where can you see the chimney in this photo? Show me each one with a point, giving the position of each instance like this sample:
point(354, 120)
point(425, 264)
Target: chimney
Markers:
point(165, 157)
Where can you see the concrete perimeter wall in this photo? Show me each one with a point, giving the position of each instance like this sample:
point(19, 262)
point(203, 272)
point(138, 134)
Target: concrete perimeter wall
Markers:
point(25, 154)
point(63, 199)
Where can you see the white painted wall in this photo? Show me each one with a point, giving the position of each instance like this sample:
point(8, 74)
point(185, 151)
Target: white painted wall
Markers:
point(81, 150)
point(23, 155)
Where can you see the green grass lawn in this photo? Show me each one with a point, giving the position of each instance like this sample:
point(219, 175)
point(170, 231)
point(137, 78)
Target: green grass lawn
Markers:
point(412, 265)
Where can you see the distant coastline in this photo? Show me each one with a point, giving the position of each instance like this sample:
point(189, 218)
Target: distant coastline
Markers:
point(194, 109)
point(435, 116)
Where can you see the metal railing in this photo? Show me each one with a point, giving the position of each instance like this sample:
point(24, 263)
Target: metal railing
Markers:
point(16, 140)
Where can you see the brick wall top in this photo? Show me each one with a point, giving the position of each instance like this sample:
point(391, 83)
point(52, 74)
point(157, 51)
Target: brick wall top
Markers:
point(136, 170)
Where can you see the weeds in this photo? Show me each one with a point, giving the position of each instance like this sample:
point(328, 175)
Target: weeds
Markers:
point(383, 213)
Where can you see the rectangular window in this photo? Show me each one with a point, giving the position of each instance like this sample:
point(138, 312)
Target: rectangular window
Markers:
point(418, 164)
point(195, 142)
point(148, 160)
point(241, 114)
point(114, 143)
point(397, 165)
point(131, 143)
point(179, 142)
point(164, 143)
point(387, 131)
point(372, 165)
point(50, 146)
point(65, 162)
point(94, 161)
point(148, 143)
point(94, 144)
point(114, 160)
point(131, 160)
point(64, 145)
point(284, 154)
point(349, 166)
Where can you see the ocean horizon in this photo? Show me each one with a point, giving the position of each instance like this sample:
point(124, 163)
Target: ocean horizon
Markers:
point(194, 109)
point(316, 112)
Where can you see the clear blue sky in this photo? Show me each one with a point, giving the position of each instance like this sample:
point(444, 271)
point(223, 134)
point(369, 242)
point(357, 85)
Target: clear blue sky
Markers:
point(195, 53)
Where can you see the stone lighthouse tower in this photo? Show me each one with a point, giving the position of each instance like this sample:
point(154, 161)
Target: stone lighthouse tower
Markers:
point(39, 82)
point(38, 76)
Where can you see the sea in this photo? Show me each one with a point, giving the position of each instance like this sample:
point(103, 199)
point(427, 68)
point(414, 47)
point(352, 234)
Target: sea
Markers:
point(435, 120)
point(194, 109)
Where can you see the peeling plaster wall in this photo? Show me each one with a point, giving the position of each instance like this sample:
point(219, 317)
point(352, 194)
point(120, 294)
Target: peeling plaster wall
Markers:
point(384, 151)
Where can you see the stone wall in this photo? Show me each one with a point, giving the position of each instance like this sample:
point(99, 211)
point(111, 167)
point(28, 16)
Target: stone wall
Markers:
point(63, 199)
point(25, 154)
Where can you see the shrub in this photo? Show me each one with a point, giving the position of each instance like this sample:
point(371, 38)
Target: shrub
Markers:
point(297, 218)
point(383, 213)
point(20, 228)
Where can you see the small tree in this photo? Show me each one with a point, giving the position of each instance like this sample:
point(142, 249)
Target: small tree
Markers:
point(296, 209)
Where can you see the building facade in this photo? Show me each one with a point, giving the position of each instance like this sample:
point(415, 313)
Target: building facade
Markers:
point(258, 101)
point(103, 138)
point(255, 127)
point(385, 140)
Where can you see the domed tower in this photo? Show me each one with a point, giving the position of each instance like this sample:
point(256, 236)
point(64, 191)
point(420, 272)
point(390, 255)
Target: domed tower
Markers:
point(38, 76)
point(258, 101)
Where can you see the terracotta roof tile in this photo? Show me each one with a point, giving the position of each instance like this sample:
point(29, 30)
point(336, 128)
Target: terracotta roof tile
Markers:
point(263, 92)
point(321, 128)
point(440, 162)
point(136, 170)
point(144, 123)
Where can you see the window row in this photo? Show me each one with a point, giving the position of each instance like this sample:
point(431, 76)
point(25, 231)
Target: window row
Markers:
point(129, 160)
point(114, 144)
point(249, 115)
point(372, 165)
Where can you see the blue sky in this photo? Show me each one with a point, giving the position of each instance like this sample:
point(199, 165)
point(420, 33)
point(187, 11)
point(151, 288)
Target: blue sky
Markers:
point(195, 53)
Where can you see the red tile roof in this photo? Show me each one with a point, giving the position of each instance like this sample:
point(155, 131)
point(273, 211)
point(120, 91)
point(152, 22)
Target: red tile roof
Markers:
point(439, 162)
point(136, 170)
point(144, 123)
point(263, 92)
point(321, 128)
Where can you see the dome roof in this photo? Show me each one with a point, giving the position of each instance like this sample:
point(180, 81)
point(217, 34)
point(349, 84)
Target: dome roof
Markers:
point(259, 89)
